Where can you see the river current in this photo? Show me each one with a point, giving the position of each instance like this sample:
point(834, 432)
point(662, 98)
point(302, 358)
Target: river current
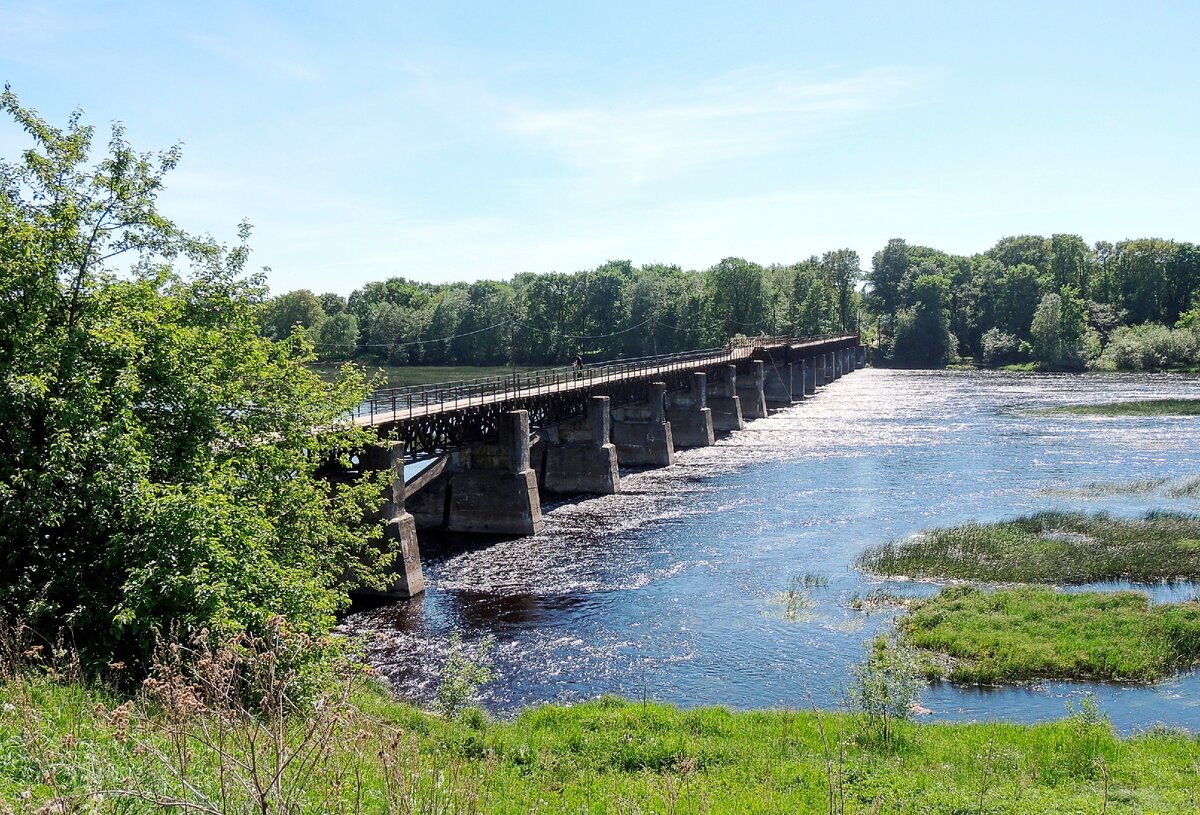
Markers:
point(677, 589)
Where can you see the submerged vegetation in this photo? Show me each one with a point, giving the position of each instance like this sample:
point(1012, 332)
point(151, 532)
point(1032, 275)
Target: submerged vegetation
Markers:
point(1049, 547)
point(1146, 407)
point(1030, 632)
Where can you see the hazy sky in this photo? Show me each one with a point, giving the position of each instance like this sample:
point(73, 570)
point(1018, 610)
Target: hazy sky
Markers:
point(455, 141)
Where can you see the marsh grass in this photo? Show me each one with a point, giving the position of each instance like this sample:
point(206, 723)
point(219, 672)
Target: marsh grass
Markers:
point(1049, 547)
point(796, 603)
point(1189, 488)
point(1145, 407)
point(1101, 489)
point(1021, 633)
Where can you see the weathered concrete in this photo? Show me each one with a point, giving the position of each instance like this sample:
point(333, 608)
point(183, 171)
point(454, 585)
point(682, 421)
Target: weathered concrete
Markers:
point(580, 456)
point(796, 376)
point(492, 488)
point(861, 356)
point(641, 431)
point(810, 376)
point(407, 578)
point(750, 391)
point(777, 385)
point(689, 414)
point(818, 366)
point(724, 403)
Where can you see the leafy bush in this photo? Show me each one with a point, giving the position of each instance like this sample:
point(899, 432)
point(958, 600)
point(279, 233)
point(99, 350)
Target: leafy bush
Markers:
point(999, 347)
point(157, 455)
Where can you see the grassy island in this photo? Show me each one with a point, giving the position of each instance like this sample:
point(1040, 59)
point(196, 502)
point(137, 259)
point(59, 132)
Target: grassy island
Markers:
point(1049, 547)
point(1032, 632)
point(1145, 407)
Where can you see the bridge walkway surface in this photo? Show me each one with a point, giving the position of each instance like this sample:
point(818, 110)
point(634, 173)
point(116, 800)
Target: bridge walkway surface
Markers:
point(390, 406)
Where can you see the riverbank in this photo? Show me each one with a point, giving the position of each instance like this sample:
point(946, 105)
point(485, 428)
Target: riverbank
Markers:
point(66, 747)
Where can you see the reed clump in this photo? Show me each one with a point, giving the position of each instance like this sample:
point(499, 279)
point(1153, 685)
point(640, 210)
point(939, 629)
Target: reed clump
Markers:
point(1049, 547)
point(1145, 407)
point(1033, 632)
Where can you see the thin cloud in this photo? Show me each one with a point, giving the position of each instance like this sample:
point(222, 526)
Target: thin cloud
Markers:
point(741, 115)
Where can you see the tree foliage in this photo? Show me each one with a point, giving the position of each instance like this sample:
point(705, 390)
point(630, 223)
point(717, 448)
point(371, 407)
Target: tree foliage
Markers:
point(157, 453)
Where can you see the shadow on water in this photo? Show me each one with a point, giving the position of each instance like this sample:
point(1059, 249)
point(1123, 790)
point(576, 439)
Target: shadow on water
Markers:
point(679, 586)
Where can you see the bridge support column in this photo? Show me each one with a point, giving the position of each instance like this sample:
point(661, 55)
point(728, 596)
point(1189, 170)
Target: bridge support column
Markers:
point(724, 403)
point(818, 371)
point(493, 490)
point(861, 356)
point(777, 385)
point(407, 578)
point(690, 417)
point(750, 391)
point(831, 373)
point(580, 457)
point(641, 431)
point(810, 376)
point(796, 375)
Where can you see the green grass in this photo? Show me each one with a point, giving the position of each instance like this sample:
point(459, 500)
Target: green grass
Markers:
point(1146, 407)
point(1016, 634)
point(1049, 547)
point(400, 376)
point(61, 745)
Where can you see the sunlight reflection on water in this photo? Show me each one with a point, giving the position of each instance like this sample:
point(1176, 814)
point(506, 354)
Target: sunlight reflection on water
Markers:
point(670, 587)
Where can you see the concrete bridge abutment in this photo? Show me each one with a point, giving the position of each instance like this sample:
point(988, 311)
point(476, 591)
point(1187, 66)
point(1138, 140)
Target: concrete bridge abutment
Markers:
point(407, 578)
point(724, 403)
point(641, 432)
point(579, 454)
point(689, 414)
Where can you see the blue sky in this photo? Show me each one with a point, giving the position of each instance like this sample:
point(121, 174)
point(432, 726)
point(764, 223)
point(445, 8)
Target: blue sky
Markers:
point(458, 141)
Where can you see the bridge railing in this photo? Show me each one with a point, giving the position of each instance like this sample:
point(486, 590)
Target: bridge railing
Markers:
point(423, 399)
point(467, 392)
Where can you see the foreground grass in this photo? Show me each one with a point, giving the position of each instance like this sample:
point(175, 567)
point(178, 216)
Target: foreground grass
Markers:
point(1147, 407)
point(1034, 633)
point(66, 748)
point(1049, 547)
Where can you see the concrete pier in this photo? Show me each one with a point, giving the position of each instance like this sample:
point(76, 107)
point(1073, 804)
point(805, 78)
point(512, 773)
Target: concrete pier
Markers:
point(724, 402)
point(641, 431)
point(777, 385)
point(861, 356)
point(580, 456)
point(797, 374)
point(407, 578)
point(689, 414)
point(492, 488)
point(750, 391)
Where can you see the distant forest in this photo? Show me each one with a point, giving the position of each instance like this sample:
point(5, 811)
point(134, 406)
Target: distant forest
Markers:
point(1053, 303)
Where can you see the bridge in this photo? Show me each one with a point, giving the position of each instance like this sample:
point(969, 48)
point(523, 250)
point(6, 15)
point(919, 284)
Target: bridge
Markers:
point(493, 445)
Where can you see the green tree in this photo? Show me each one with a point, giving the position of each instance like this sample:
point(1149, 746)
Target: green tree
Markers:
point(1057, 330)
point(157, 454)
point(280, 315)
point(735, 299)
point(922, 336)
point(337, 337)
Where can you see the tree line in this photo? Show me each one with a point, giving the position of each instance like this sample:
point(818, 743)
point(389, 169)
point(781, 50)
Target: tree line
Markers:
point(1054, 302)
point(616, 310)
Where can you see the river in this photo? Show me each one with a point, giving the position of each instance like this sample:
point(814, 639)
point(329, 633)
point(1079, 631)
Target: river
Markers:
point(674, 589)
